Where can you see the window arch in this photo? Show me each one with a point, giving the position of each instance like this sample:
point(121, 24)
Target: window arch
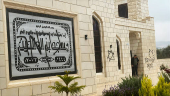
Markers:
point(119, 53)
point(97, 45)
point(99, 21)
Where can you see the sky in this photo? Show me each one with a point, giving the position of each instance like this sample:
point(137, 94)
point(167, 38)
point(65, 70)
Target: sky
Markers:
point(160, 10)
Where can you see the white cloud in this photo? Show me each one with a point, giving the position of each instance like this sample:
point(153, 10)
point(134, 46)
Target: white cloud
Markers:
point(160, 10)
point(162, 31)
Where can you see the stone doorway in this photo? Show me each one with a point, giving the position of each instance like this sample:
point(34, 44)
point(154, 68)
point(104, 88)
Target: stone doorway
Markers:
point(136, 49)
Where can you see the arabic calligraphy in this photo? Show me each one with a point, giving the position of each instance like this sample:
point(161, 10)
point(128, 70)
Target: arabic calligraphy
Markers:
point(39, 44)
point(31, 44)
point(46, 45)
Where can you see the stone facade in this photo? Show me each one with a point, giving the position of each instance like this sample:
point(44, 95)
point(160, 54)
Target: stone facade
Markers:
point(135, 33)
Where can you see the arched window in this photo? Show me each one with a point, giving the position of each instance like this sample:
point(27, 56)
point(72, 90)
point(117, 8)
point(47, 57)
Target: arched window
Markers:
point(118, 53)
point(97, 46)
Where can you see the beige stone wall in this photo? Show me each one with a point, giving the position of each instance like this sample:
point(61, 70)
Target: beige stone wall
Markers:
point(166, 62)
point(138, 9)
point(157, 64)
point(111, 27)
point(3, 79)
point(81, 13)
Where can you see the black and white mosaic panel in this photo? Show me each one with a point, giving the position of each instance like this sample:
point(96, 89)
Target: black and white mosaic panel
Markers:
point(39, 44)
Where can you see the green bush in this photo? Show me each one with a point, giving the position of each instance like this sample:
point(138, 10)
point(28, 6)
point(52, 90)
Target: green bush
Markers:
point(134, 83)
point(162, 88)
point(162, 67)
point(146, 87)
point(116, 91)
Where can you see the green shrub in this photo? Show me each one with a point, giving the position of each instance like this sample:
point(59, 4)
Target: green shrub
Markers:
point(134, 83)
point(162, 67)
point(146, 87)
point(73, 88)
point(165, 73)
point(116, 91)
point(162, 88)
point(166, 76)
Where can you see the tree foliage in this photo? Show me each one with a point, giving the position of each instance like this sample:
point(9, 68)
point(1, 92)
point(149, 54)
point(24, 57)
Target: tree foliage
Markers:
point(146, 87)
point(72, 88)
point(162, 88)
point(163, 53)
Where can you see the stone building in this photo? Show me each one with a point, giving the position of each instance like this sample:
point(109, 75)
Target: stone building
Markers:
point(106, 33)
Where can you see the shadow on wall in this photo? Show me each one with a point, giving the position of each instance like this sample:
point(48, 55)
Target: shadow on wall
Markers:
point(136, 49)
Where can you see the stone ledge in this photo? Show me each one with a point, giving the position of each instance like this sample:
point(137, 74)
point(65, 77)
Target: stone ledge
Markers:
point(34, 81)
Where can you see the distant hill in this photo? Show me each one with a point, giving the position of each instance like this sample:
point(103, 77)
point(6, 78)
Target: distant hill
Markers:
point(162, 44)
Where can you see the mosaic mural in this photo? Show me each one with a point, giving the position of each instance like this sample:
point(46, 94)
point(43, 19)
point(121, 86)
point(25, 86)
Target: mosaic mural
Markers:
point(39, 43)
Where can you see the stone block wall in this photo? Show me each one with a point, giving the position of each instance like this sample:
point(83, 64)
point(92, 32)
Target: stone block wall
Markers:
point(111, 28)
point(134, 9)
point(166, 62)
point(3, 79)
point(81, 13)
point(144, 9)
point(138, 9)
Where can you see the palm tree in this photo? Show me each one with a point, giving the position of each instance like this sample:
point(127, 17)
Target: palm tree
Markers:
point(73, 88)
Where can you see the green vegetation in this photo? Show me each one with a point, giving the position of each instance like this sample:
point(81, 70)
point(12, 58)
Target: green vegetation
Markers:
point(163, 53)
point(162, 88)
point(165, 73)
point(128, 87)
point(132, 83)
point(140, 86)
point(146, 87)
point(166, 76)
point(73, 88)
